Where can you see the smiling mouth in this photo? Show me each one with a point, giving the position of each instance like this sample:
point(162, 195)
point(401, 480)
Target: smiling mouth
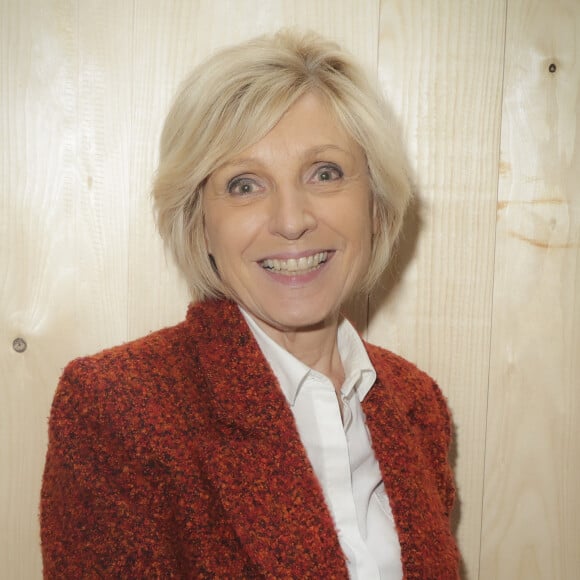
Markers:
point(294, 266)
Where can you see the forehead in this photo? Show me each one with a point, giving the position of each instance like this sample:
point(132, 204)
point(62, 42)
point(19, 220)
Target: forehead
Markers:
point(309, 118)
point(308, 126)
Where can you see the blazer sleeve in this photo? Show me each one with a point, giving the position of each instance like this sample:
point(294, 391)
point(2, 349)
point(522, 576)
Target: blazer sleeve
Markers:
point(98, 513)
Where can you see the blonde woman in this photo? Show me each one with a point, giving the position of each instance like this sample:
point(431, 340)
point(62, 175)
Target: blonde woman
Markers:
point(261, 437)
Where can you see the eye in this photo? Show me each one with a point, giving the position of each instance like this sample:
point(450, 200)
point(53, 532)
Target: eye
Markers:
point(327, 172)
point(243, 186)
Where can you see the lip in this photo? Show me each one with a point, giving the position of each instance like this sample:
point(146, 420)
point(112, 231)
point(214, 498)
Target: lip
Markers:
point(295, 255)
point(291, 277)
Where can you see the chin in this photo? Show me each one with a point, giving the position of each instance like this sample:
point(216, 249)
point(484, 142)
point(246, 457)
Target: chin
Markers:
point(303, 318)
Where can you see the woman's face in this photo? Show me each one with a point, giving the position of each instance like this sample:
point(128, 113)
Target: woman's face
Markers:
point(289, 221)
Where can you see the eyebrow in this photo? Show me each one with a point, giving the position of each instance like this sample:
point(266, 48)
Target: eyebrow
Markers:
point(311, 152)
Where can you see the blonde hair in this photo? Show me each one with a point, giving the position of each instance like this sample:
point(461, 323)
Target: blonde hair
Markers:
point(232, 101)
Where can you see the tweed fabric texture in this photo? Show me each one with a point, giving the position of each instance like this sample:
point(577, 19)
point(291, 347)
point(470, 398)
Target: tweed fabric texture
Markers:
point(177, 456)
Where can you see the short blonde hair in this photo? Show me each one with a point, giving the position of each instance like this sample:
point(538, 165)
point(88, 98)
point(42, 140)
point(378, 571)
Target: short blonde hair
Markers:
point(232, 101)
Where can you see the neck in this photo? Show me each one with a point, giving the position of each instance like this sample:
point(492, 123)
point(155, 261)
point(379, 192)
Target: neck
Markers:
point(316, 347)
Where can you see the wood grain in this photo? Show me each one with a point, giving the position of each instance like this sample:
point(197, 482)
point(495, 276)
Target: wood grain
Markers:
point(441, 64)
point(85, 86)
point(483, 293)
point(531, 523)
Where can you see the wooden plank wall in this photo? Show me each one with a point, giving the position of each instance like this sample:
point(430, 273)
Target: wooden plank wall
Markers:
point(484, 292)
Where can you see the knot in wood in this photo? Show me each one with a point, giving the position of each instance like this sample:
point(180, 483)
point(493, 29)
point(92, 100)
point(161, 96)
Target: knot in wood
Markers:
point(19, 344)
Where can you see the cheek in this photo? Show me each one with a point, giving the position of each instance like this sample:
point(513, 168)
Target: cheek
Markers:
point(213, 229)
point(359, 219)
point(216, 241)
point(206, 238)
point(364, 232)
point(208, 234)
point(217, 227)
point(229, 232)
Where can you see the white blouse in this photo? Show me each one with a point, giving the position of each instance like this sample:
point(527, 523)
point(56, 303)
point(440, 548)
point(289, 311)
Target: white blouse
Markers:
point(340, 451)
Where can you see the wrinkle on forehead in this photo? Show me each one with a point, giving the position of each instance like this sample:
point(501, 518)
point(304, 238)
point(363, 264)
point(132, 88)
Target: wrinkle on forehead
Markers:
point(292, 134)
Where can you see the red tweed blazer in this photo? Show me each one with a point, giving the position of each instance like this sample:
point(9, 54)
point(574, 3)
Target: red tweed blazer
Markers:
point(177, 456)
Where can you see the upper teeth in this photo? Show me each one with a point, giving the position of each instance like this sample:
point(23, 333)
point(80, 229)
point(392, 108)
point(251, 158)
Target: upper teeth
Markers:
point(296, 265)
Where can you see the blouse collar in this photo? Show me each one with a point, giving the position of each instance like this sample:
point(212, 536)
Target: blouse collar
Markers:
point(291, 373)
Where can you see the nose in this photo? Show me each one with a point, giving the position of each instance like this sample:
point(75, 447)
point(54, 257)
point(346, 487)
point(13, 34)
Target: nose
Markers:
point(291, 213)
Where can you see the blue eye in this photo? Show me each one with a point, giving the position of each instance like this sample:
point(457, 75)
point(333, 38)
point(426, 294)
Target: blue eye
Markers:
point(328, 173)
point(242, 186)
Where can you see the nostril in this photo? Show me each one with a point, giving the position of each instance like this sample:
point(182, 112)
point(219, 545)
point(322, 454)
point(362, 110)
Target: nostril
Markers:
point(292, 218)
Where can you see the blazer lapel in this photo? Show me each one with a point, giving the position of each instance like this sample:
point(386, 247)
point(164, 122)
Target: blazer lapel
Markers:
point(408, 479)
point(254, 457)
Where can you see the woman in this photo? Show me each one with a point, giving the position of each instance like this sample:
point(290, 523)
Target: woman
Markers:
point(260, 437)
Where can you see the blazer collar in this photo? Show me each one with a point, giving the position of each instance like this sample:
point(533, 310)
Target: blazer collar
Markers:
point(253, 454)
point(256, 461)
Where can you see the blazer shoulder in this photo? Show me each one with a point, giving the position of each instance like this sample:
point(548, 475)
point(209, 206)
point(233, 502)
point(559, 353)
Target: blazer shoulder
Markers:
point(394, 366)
point(141, 379)
point(413, 388)
point(156, 345)
point(148, 359)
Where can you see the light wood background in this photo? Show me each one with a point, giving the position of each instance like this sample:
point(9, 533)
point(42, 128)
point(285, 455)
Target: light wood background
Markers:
point(484, 293)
